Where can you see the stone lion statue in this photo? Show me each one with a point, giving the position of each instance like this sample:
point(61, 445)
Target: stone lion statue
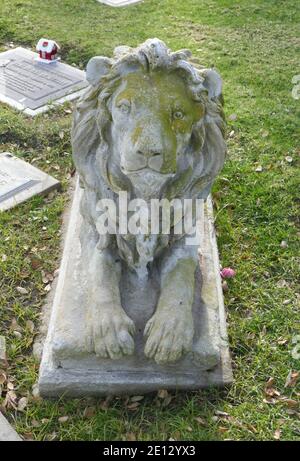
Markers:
point(151, 124)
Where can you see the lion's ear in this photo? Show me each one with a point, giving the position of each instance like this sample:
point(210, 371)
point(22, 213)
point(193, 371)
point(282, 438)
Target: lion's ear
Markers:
point(212, 82)
point(96, 68)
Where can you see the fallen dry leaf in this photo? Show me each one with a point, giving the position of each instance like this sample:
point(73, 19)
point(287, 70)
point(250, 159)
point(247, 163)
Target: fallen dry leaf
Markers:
point(200, 421)
point(35, 390)
point(133, 406)
point(252, 428)
point(162, 394)
point(277, 434)
point(222, 429)
point(22, 404)
point(89, 412)
point(47, 277)
point(271, 392)
point(63, 419)
point(14, 325)
point(137, 398)
point(35, 262)
point(17, 334)
point(104, 405)
point(291, 403)
point(224, 286)
point(270, 382)
point(35, 423)
point(22, 290)
point(291, 379)
point(28, 436)
point(51, 436)
point(291, 412)
point(176, 435)
point(270, 401)
point(281, 422)
point(10, 400)
point(221, 414)
point(282, 341)
point(130, 436)
point(282, 283)
point(2, 378)
point(30, 326)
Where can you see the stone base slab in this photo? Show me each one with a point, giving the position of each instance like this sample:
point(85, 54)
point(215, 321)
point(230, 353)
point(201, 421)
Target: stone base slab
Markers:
point(68, 369)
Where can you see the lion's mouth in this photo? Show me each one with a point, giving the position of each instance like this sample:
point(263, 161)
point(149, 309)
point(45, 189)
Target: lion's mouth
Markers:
point(144, 170)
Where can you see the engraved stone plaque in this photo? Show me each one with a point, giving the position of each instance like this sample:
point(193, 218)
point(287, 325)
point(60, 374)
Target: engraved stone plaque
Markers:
point(19, 181)
point(30, 85)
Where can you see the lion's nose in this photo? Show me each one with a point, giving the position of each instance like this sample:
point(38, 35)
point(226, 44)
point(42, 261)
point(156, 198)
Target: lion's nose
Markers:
point(153, 157)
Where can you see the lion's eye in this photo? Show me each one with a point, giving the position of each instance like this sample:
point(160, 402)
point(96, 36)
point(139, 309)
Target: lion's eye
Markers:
point(178, 115)
point(124, 107)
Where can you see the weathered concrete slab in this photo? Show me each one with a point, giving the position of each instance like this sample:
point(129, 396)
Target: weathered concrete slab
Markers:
point(118, 3)
point(20, 180)
point(67, 367)
point(7, 433)
point(31, 86)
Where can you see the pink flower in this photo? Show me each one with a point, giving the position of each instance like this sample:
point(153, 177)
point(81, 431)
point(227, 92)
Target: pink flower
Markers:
point(227, 273)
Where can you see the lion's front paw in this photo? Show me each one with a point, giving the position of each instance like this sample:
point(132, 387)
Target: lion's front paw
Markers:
point(110, 334)
point(169, 335)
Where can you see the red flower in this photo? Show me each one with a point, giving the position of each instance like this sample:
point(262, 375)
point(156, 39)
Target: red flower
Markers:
point(227, 273)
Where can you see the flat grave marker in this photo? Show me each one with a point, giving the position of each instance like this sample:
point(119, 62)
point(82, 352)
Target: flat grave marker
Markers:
point(117, 3)
point(19, 181)
point(31, 86)
point(7, 432)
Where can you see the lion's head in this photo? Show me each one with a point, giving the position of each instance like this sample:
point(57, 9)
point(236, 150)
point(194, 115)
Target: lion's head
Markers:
point(150, 123)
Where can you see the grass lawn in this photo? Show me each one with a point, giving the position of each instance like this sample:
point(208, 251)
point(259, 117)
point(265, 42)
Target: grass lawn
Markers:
point(255, 47)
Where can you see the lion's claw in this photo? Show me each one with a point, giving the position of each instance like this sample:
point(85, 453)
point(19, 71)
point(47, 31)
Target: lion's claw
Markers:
point(111, 335)
point(168, 336)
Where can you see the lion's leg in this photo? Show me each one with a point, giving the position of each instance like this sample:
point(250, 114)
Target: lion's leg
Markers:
point(110, 330)
point(170, 330)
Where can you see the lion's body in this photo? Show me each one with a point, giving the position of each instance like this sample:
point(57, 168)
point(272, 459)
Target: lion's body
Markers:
point(152, 125)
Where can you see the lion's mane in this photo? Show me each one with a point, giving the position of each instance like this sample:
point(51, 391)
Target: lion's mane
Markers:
point(92, 118)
